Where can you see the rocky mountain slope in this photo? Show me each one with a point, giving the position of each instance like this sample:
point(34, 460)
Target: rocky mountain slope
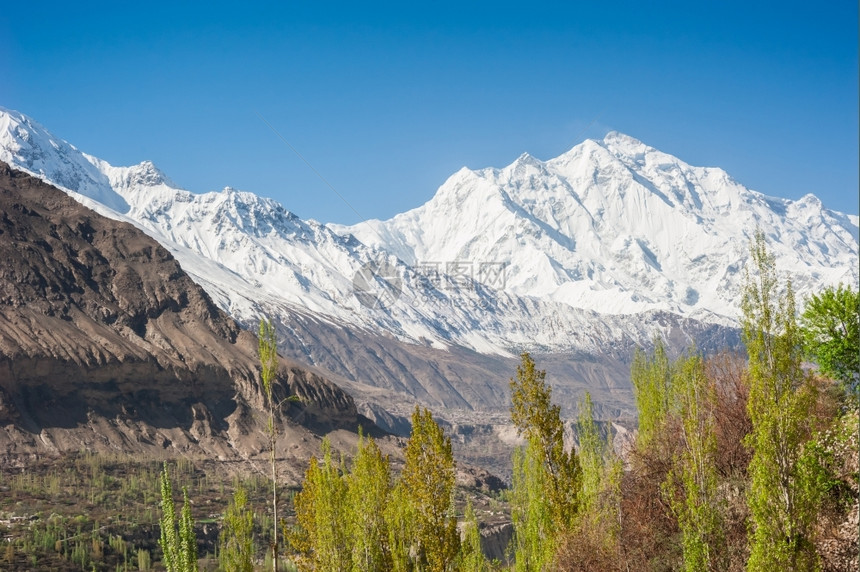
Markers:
point(106, 344)
point(579, 259)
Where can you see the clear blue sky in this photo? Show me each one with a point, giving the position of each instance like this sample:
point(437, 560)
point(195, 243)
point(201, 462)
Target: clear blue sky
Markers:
point(387, 100)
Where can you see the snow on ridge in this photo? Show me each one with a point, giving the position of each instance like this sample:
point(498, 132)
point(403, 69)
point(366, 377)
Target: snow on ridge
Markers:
point(27, 145)
point(621, 226)
point(579, 243)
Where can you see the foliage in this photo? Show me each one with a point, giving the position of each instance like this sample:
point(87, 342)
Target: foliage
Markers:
point(694, 472)
point(831, 330)
point(357, 520)
point(601, 466)
point(321, 514)
point(652, 387)
point(428, 487)
point(236, 539)
point(268, 350)
point(539, 421)
point(601, 479)
point(591, 454)
point(472, 558)
point(399, 519)
point(783, 496)
point(368, 488)
point(178, 542)
point(535, 540)
point(547, 478)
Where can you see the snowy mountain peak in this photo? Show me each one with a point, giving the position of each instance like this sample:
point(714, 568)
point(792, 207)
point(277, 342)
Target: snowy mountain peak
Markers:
point(622, 140)
point(618, 225)
point(28, 146)
point(147, 174)
point(527, 159)
point(135, 183)
point(550, 254)
point(810, 199)
point(633, 152)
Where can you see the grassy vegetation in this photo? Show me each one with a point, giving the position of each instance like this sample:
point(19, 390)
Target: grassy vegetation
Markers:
point(98, 512)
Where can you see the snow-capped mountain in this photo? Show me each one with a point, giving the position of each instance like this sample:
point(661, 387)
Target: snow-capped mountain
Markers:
point(619, 226)
point(591, 252)
point(255, 258)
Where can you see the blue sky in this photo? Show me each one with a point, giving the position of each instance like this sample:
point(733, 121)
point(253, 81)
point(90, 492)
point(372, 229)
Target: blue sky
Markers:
point(389, 99)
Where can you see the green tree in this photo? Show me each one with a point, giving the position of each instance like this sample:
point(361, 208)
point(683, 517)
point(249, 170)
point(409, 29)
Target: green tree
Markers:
point(601, 477)
point(428, 487)
point(652, 387)
point(547, 478)
point(177, 540)
point(472, 557)
point(321, 514)
point(399, 520)
point(694, 471)
point(782, 497)
point(535, 539)
point(268, 350)
point(368, 492)
point(236, 541)
point(831, 330)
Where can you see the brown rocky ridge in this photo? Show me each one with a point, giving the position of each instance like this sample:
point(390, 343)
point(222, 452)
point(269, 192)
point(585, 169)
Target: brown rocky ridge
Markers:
point(107, 345)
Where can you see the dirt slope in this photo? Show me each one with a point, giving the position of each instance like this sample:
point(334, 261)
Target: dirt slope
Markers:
point(106, 344)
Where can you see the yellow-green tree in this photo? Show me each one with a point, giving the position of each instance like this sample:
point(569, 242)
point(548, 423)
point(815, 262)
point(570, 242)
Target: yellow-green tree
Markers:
point(399, 521)
point(472, 557)
point(322, 513)
point(691, 486)
point(268, 349)
point(547, 477)
point(652, 388)
point(236, 541)
point(782, 497)
point(368, 492)
point(178, 541)
point(428, 488)
point(602, 469)
point(535, 539)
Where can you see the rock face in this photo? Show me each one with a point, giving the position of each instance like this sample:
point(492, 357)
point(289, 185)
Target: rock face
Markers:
point(577, 260)
point(106, 344)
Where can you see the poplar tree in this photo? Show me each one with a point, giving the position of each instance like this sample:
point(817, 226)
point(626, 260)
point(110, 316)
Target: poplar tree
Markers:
point(268, 349)
point(178, 541)
point(652, 388)
point(535, 539)
point(601, 475)
point(368, 491)
point(322, 516)
point(547, 478)
point(472, 557)
point(428, 487)
point(236, 540)
point(782, 497)
point(400, 520)
point(694, 470)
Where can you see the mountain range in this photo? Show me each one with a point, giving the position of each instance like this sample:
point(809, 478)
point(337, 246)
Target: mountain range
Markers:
point(577, 259)
point(106, 345)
